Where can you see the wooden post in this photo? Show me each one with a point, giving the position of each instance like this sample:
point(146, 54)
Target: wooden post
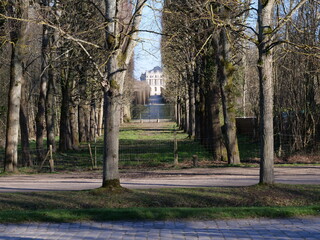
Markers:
point(51, 162)
point(195, 160)
point(175, 149)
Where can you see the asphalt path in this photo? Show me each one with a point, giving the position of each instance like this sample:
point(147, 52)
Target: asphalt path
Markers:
point(197, 177)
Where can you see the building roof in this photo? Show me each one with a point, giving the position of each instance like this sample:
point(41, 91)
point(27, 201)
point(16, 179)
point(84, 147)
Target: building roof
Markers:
point(156, 69)
point(143, 76)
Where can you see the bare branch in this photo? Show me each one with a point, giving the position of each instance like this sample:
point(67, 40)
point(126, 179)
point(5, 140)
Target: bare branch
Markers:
point(288, 17)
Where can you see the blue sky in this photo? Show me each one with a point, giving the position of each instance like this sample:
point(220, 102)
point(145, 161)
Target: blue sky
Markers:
point(147, 52)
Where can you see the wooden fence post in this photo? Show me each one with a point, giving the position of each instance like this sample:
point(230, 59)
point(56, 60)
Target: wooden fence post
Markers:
point(195, 160)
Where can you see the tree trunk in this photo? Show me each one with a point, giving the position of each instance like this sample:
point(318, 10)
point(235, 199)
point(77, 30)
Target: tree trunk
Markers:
point(225, 75)
point(50, 110)
point(12, 134)
point(116, 68)
point(84, 121)
point(265, 70)
point(215, 135)
point(203, 119)
point(40, 117)
point(17, 37)
point(65, 142)
point(197, 104)
point(45, 117)
point(186, 114)
point(24, 129)
point(192, 110)
point(73, 116)
point(202, 108)
point(83, 109)
point(93, 122)
point(100, 118)
point(111, 133)
point(178, 112)
point(182, 115)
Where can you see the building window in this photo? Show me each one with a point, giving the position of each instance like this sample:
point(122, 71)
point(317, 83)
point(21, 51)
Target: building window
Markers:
point(155, 89)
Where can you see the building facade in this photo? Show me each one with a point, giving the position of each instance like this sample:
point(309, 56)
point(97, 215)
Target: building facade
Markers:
point(155, 79)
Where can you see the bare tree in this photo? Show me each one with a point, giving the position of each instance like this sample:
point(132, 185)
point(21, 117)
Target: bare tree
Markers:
point(17, 29)
point(121, 32)
point(266, 42)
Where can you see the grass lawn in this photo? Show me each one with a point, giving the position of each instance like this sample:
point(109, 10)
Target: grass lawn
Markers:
point(162, 204)
point(151, 145)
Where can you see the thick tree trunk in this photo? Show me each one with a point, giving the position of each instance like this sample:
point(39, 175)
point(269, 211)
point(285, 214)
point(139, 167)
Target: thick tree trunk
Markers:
point(215, 135)
point(40, 117)
point(65, 142)
point(225, 75)
point(17, 37)
point(265, 70)
point(12, 133)
point(24, 129)
point(121, 52)
point(42, 101)
point(111, 133)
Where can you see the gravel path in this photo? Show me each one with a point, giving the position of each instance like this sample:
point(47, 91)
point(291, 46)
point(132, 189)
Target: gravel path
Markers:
point(197, 177)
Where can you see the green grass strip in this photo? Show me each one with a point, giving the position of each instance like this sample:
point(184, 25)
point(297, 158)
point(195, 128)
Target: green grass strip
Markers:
point(156, 214)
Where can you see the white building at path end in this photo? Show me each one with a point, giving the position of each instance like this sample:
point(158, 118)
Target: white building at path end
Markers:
point(155, 79)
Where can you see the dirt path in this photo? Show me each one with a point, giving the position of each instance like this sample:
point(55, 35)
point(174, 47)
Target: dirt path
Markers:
point(197, 177)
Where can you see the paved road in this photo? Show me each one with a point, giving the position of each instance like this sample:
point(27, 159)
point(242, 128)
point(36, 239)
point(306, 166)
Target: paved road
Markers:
point(198, 177)
point(256, 229)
